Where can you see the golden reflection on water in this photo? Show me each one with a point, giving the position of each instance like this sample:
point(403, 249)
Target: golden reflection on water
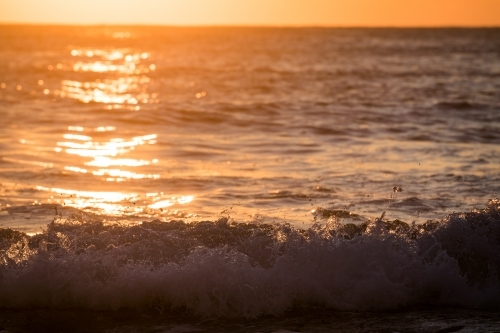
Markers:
point(121, 175)
point(102, 153)
point(104, 162)
point(170, 202)
point(127, 91)
point(123, 85)
point(100, 161)
point(114, 203)
point(76, 137)
point(106, 202)
point(121, 35)
point(107, 196)
point(113, 147)
point(121, 61)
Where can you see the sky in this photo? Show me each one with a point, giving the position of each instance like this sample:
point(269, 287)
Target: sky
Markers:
point(373, 13)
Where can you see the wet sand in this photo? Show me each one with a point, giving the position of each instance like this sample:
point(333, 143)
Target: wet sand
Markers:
point(311, 320)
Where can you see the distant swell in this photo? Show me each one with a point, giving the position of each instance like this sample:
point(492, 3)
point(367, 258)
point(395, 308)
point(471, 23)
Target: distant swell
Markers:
point(222, 269)
point(460, 105)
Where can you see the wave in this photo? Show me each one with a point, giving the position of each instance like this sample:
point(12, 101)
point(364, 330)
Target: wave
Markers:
point(460, 105)
point(228, 269)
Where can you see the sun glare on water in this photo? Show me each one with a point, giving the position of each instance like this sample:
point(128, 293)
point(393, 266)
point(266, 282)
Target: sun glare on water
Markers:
point(100, 158)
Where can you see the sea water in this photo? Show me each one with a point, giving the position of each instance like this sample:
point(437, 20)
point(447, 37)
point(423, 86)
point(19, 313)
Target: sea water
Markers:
point(245, 172)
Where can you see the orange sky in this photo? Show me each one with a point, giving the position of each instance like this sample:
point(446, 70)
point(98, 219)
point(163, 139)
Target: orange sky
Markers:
point(255, 12)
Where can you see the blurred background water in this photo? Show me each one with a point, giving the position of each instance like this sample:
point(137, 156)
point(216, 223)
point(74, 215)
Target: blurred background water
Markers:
point(255, 124)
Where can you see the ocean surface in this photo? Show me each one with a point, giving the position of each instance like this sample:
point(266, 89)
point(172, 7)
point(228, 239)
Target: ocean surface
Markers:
point(250, 174)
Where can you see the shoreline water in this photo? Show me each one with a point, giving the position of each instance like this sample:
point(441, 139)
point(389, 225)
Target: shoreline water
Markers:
point(419, 320)
point(226, 269)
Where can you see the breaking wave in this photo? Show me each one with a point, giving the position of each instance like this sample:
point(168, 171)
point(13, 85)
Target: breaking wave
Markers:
point(229, 269)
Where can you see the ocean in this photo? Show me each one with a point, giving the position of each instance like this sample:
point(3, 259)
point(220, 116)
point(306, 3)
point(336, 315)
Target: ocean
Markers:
point(237, 179)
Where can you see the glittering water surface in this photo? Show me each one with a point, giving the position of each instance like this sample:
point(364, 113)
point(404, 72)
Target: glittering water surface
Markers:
point(261, 125)
point(249, 179)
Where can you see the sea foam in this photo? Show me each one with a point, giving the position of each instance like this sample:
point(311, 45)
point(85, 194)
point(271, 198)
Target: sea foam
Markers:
point(228, 269)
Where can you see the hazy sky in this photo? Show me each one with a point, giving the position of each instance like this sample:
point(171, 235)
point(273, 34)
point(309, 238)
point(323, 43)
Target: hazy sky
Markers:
point(255, 12)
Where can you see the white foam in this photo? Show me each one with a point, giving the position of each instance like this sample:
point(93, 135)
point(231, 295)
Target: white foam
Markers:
point(217, 269)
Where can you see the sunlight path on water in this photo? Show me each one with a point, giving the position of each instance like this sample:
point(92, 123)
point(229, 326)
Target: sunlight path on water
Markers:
point(258, 125)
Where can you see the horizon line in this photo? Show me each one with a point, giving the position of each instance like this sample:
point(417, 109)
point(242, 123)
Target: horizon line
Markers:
point(244, 25)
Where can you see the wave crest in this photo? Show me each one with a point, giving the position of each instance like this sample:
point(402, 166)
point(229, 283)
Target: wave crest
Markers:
point(225, 269)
